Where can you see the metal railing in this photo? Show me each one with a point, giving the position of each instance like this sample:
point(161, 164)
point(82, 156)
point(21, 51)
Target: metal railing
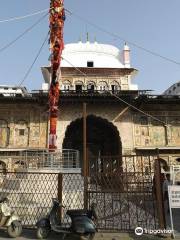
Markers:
point(34, 159)
point(67, 158)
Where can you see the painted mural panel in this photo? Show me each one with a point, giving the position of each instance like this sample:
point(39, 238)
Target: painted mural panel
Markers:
point(34, 136)
point(158, 136)
point(21, 134)
point(175, 135)
point(149, 132)
point(141, 131)
point(4, 134)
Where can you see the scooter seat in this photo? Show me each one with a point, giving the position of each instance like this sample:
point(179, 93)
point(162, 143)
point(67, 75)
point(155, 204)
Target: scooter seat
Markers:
point(58, 228)
point(77, 212)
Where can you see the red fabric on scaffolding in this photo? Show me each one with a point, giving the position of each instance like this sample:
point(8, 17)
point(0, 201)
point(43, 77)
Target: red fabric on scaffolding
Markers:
point(56, 24)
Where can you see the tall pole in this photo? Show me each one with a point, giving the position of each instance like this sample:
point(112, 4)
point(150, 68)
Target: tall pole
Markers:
point(56, 19)
point(85, 163)
point(84, 139)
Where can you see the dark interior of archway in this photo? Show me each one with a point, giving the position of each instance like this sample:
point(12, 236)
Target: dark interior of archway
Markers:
point(102, 137)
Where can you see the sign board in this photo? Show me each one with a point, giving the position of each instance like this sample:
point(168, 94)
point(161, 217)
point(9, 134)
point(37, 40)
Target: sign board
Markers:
point(174, 196)
point(174, 201)
point(174, 171)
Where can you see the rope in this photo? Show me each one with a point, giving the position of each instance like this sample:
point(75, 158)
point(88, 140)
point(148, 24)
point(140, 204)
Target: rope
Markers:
point(22, 34)
point(30, 68)
point(122, 38)
point(23, 17)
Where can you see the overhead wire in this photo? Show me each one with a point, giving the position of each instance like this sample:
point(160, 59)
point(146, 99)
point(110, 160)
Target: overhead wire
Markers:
point(35, 59)
point(122, 38)
point(132, 106)
point(22, 34)
point(25, 16)
point(122, 100)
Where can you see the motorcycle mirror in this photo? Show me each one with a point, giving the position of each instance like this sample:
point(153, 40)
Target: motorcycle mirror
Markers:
point(5, 199)
point(55, 200)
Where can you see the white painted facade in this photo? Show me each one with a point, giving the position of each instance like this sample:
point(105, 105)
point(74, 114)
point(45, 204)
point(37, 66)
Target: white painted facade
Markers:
point(102, 55)
point(7, 90)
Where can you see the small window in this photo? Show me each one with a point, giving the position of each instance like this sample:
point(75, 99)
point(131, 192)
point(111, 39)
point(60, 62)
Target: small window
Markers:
point(114, 88)
point(90, 88)
point(90, 64)
point(78, 88)
point(21, 132)
point(144, 120)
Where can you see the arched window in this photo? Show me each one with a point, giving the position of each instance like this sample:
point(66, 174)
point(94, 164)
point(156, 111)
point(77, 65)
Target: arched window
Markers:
point(66, 85)
point(91, 86)
point(115, 86)
point(4, 134)
point(21, 134)
point(79, 86)
point(102, 86)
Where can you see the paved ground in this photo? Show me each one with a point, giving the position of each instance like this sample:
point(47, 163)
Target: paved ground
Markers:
point(30, 235)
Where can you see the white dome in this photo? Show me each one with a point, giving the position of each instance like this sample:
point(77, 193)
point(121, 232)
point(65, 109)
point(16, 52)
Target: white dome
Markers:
point(173, 90)
point(102, 55)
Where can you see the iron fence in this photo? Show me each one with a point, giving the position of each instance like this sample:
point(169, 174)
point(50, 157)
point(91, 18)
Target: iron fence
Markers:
point(124, 194)
point(29, 194)
point(41, 159)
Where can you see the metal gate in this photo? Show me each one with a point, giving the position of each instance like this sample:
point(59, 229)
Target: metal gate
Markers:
point(124, 195)
point(122, 190)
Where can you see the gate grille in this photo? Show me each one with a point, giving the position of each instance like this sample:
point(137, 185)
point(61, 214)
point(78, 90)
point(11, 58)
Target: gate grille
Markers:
point(124, 195)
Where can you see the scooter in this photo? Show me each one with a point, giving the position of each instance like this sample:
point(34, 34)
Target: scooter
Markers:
point(9, 219)
point(82, 223)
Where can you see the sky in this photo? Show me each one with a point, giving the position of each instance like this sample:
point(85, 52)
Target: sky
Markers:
point(152, 25)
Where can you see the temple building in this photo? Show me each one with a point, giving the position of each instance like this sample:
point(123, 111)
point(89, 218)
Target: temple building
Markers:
point(121, 120)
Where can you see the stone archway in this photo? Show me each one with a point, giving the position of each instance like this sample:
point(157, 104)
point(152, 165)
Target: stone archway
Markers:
point(102, 137)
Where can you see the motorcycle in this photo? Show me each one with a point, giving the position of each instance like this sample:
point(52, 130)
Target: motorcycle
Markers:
point(82, 222)
point(9, 219)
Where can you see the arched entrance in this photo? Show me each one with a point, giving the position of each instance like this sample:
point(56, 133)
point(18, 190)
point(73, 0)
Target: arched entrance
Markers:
point(102, 137)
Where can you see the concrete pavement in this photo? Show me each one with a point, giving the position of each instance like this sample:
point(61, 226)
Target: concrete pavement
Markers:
point(31, 235)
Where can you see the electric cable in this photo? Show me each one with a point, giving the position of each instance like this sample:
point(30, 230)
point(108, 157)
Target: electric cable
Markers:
point(122, 100)
point(22, 34)
point(130, 105)
point(122, 38)
point(23, 17)
point(36, 57)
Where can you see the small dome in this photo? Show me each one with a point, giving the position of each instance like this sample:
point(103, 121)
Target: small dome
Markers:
point(173, 89)
point(99, 55)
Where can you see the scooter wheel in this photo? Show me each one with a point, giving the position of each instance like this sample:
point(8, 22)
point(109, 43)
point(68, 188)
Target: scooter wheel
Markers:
point(15, 229)
point(42, 233)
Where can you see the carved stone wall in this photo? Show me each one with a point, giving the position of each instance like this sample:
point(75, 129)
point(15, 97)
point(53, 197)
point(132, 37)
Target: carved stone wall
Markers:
point(23, 126)
point(149, 132)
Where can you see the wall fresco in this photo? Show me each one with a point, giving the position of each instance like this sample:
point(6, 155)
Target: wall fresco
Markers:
point(150, 132)
point(4, 133)
point(23, 129)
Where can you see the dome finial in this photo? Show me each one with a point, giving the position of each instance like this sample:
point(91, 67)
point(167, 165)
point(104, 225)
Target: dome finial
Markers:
point(95, 39)
point(80, 38)
point(87, 37)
